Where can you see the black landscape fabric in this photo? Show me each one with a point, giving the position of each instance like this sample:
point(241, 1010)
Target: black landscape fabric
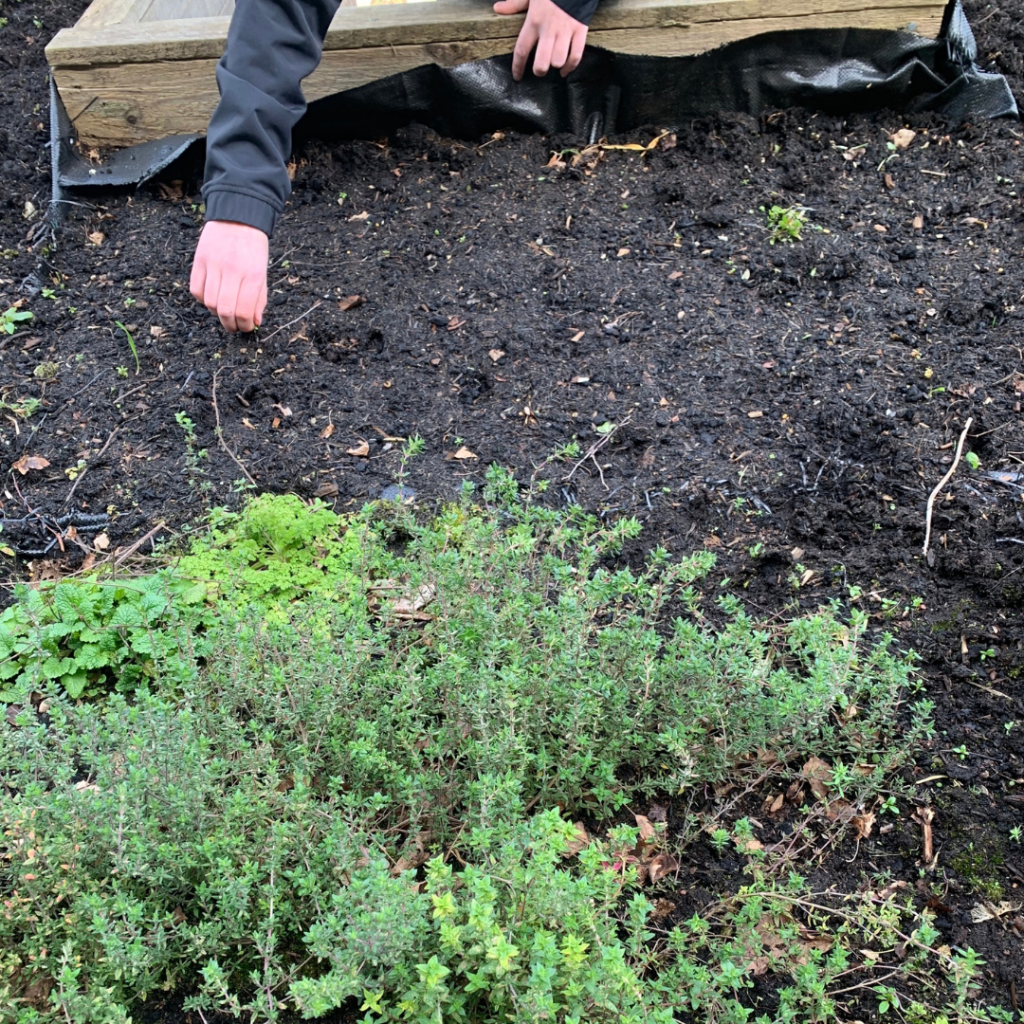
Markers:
point(834, 70)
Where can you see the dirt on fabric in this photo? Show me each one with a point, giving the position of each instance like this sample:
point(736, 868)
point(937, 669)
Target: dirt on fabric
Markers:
point(788, 404)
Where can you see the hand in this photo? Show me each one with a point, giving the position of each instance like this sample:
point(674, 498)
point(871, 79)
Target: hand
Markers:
point(559, 37)
point(229, 273)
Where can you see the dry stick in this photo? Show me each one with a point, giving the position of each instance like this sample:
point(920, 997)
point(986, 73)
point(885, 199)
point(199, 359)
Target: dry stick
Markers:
point(119, 558)
point(942, 483)
point(98, 455)
point(220, 435)
point(320, 302)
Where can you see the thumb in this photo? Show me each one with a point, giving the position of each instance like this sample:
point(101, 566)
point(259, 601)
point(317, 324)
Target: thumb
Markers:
point(511, 6)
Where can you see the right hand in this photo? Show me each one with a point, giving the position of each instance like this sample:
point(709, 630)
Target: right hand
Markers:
point(229, 273)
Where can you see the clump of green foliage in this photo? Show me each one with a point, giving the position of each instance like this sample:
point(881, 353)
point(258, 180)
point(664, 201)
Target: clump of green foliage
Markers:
point(11, 317)
point(100, 633)
point(348, 798)
point(786, 223)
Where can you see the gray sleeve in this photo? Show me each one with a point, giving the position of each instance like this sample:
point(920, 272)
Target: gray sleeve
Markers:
point(272, 46)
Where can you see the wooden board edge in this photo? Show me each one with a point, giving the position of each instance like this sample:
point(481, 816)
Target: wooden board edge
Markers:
point(450, 21)
point(102, 14)
point(127, 104)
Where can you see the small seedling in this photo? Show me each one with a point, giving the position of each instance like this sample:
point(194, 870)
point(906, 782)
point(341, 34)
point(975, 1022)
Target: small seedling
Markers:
point(962, 752)
point(786, 223)
point(989, 652)
point(889, 806)
point(972, 460)
point(131, 345)
point(11, 317)
point(1016, 832)
point(1009, 727)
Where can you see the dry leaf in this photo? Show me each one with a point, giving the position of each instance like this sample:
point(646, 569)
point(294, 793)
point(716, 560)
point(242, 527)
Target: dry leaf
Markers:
point(750, 845)
point(863, 824)
point(465, 453)
point(326, 490)
point(27, 462)
point(496, 354)
point(903, 138)
point(657, 812)
point(101, 542)
point(96, 237)
point(645, 827)
point(283, 409)
point(818, 774)
point(350, 302)
point(623, 252)
point(327, 431)
point(889, 180)
point(580, 842)
point(360, 451)
point(776, 805)
point(157, 332)
point(556, 162)
point(360, 216)
point(661, 866)
point(412, 859)
point(246, 422)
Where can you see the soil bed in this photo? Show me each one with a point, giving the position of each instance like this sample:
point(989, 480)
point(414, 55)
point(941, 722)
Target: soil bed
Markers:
point(788, 405)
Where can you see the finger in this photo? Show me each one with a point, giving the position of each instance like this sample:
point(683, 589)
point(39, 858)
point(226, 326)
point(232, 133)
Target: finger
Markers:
point(245, 309)
point(542, 60)
point(261, 303)
point(560, 49)
point(227, 303)
point(521, 54)
point(579, 44)
point(197, 281)
point(211, 289)
point(511, 6)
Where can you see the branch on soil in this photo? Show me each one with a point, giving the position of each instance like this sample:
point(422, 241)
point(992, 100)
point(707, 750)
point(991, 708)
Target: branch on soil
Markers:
point(220, 435)
point(942, 483)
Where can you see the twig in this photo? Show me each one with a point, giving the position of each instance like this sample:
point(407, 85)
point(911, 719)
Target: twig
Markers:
point(138, 544)
point(942, 483)
point(85, 469)
point(595, 448)
point(220, 435)
point(283, 327)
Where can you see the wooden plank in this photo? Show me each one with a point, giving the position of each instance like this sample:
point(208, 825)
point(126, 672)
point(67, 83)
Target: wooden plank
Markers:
point(118, 105)
point(180, 10)
point(105, 13)
point(442, 21)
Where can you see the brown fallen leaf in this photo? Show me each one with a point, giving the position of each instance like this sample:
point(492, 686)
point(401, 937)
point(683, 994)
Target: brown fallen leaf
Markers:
point(818, 774)
point(101, 542)
point(580, 842)
point(556, 162)
point(646, 828)
point(657, 812)
point(96, 237)
point(360, 451)
point(465, 453)
point(903, 138)
point(776, 804)
point(328, 489)
point(623, 252)
point(360, 216)
point(27, 462)
point(661, 866)
point(156, 331)
point(749, 845)
point(863, 824)
point(496, 354)
point(412, 859)
point(350, 302)
point(327, 432)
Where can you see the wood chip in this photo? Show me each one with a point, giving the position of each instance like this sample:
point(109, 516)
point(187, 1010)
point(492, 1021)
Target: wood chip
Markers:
point(350, 302)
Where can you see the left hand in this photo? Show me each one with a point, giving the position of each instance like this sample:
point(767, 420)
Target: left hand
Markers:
point(560, 39)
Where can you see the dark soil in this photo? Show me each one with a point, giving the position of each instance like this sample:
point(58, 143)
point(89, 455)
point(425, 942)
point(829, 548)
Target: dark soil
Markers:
point(790, 406)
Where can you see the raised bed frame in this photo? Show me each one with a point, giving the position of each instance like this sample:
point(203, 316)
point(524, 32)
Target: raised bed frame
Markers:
point(135, 70)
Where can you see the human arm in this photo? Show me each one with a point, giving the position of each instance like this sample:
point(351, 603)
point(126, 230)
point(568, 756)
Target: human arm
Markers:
point(558, 29)
point(272, 46)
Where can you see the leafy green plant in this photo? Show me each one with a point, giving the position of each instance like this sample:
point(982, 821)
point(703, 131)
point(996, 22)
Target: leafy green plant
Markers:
point(344, 787)
point(786, 223)
point(11, 317)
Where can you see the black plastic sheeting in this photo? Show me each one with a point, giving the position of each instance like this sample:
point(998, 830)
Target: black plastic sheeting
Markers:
point(837, 71)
